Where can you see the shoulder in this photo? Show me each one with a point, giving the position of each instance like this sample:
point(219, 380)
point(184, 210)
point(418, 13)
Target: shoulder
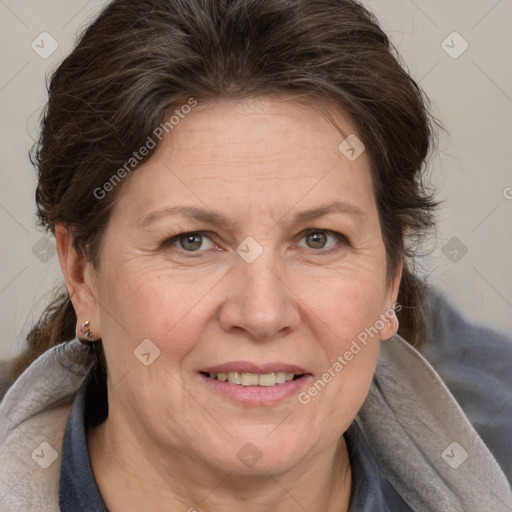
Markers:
point(33, 417)
point(449, 332)
point(418, 434)
point(31, 462)
point(474, 362)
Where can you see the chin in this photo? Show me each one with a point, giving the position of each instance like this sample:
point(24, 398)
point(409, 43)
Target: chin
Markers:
point(263, 452)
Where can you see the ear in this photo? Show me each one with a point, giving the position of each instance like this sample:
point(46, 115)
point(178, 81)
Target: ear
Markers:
point(80, 281)
point(388, 316)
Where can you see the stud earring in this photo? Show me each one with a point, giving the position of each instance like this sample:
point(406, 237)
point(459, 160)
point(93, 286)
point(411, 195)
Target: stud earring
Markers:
point(86, 330)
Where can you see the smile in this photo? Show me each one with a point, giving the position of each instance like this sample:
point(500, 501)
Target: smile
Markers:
point(251, 383)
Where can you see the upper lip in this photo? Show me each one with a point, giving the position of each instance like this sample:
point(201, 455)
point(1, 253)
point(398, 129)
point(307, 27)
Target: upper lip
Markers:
point(249, 367)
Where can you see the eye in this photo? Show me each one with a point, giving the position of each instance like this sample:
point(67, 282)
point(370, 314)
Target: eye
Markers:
point(191, 242)
point(319, 239)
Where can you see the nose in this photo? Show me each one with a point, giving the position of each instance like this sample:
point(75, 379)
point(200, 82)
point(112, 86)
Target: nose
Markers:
point(259, 301)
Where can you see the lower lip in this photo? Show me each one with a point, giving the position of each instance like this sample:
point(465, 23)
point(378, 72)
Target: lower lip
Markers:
point(256, 395)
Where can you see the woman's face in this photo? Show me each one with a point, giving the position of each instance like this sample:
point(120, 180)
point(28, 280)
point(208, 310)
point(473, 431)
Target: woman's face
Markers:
point(249, 244)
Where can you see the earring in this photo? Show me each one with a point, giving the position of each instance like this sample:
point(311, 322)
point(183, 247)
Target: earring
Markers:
point(85, 329)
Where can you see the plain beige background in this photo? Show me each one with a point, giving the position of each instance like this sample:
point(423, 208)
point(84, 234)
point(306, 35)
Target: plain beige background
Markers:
point(471, 94)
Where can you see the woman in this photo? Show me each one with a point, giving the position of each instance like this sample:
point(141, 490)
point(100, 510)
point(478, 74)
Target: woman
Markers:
point(235, 189)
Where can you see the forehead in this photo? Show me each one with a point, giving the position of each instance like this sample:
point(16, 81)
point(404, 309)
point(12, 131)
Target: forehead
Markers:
point(261, 153)
point(253, 130)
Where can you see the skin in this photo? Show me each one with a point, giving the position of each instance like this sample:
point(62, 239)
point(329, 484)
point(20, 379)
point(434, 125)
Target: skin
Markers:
point(170, 442)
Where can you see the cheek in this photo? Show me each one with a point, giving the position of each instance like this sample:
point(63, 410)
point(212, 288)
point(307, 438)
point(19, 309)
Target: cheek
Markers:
point(343, 307)
point(156, 305)
point(339, 391)
point(346, 329)
point(141, 298)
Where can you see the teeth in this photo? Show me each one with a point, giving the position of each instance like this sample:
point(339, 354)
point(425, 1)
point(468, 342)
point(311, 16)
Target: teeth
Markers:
point(235, 377)
point(253, 379)
point(267, 379)
point(250, 379)
point(281, 377)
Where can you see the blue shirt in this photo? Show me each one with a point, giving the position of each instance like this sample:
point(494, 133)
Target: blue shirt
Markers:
point(77, 487)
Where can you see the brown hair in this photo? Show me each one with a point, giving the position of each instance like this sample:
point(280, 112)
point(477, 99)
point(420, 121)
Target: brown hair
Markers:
point(142, 59)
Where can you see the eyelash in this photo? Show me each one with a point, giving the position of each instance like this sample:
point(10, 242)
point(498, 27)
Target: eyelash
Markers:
point(343, 241)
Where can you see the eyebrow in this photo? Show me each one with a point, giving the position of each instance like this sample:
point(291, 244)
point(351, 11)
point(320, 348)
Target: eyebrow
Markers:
point(339, 207)
point(217, 219)
point(191, 212)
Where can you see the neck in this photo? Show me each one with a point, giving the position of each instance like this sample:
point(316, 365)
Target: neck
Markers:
point(131, 476)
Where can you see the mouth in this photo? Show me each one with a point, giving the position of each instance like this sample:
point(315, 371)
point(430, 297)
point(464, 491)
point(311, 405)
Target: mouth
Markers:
point(254, 379)
point(252, 384)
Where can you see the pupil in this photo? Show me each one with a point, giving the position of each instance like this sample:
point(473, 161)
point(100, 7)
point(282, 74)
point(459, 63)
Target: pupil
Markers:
point(194, 242)
point(317, 239)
